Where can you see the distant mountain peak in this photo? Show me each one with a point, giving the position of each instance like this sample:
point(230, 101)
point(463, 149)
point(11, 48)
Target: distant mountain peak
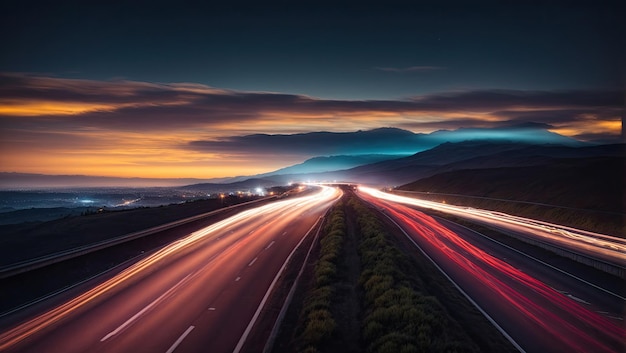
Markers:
point(533, 133)
point(389, 130)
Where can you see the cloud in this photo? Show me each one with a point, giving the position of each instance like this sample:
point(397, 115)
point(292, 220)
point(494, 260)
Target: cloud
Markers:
point(377, 141)
point(600, 138)
point(557, 116)
point(410, 69)
point(61, 122)
point(27, 91)
point(382, 140)
point(491, 100)
point(27, 95)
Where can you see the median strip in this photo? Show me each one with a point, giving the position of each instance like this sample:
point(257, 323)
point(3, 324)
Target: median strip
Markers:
point(368, 291)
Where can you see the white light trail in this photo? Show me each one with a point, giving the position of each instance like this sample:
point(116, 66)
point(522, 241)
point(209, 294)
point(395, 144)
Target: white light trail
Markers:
point(297, 204)
point(601, 246)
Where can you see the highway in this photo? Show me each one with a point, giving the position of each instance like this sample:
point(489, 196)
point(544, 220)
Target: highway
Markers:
point(598, 246)
point(538, 306)
point(200, 293)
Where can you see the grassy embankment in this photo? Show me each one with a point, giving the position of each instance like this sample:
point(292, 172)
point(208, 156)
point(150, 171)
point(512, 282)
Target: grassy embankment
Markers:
point(400, 303)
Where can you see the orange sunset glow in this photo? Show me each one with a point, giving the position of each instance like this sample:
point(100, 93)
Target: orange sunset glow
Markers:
point(310, 176)
point(119, 130)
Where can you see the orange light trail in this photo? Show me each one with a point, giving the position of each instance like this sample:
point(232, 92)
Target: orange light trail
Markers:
point(48, 319)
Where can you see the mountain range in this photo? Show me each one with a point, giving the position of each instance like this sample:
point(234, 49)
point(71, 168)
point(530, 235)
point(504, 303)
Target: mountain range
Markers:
point(476, 154)
point(437, 152)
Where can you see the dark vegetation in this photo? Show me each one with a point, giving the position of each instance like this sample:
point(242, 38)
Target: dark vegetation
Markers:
point(399, 316)
point(28, 286)
point(369, 291)
point(25, 241)
point(318, 323)
point(586, 193)
point(33, 215)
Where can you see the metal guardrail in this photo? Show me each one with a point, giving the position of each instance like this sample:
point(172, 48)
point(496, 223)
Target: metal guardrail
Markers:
point(608, 267)
point(47, 260)
point(398, 191)
point(604, 266)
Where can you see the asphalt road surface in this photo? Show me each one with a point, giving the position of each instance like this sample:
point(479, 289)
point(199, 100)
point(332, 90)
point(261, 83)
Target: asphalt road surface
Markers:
point(598, 246)
point(199, 294)
point(540, 308)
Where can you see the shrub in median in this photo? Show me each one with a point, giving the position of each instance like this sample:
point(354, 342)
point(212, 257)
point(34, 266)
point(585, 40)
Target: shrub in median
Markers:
point(398, 318)
point(317, 321)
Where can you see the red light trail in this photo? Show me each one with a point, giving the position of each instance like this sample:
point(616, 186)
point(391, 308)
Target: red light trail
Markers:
point(570, 326)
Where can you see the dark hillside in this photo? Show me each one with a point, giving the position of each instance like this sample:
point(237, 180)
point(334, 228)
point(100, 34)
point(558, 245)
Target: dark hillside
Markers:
point(593, 184)
point(589, 183)
point(25, 241)
point(472, 154)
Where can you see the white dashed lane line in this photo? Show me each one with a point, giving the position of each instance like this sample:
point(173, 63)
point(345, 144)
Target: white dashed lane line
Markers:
point(142, 311)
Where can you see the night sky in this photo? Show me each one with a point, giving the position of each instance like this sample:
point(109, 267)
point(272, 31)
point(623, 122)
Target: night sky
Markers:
point(152, 90)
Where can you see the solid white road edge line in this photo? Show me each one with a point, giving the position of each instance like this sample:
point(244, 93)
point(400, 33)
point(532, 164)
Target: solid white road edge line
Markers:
point(243, 338)
point(539, 261)
point(283, 311)
point(493, 322)
point(180, 339)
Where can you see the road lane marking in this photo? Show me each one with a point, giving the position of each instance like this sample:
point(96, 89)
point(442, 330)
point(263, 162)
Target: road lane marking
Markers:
point(252, 262)
point(467, 296)
point(269, 344)
point(270, 245)
point(30, 327)
point(578, 299)
point(245, 334)
point(180, 339)
point(142, 311)
point(540, 261)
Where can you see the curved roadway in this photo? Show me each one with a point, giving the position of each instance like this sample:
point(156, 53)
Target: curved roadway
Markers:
point(528, 300)
point(609, 249)
point(201, 293)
